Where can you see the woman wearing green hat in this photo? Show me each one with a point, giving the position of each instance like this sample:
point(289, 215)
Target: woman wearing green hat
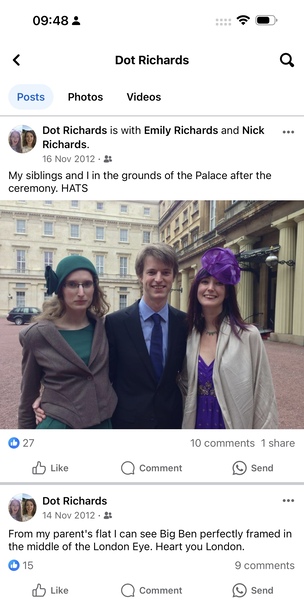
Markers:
point(65, 353)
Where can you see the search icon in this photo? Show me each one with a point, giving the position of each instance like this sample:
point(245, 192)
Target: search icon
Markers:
point(286, 59)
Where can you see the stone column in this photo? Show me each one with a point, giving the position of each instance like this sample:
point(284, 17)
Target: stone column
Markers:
point(285, 278)
point(262, 318)
point(234, 247)
point(196, 268)
point(298, 312)
point(245, 290)
point(185, 292)
point(174, 298)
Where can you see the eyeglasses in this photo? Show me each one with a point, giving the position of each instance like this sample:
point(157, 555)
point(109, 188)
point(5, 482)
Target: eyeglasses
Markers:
point(73, 285)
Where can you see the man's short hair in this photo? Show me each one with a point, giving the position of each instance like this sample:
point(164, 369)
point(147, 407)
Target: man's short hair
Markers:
point(162, 252)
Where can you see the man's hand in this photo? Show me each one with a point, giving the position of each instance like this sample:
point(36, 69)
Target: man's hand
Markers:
point(39, 412)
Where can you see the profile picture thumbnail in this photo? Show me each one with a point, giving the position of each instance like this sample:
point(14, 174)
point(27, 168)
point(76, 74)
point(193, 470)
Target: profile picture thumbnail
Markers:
point(22, 139)
point(22, 507)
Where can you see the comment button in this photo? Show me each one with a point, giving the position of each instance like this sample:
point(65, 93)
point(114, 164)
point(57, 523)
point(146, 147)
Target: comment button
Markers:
point(31, 97)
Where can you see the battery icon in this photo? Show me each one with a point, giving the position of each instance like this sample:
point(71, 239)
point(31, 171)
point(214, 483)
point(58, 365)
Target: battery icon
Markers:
point(266, 20)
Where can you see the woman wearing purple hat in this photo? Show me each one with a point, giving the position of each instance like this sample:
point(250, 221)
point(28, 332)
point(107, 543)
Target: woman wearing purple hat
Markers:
point(65, 357)
point(226, 379)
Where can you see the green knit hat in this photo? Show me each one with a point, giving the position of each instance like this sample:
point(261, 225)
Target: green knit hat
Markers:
point(64, 268)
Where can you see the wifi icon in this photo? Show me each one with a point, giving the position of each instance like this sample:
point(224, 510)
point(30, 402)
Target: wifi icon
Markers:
point(243, 19)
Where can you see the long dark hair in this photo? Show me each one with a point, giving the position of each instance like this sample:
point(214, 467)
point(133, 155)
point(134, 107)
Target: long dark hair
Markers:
point(195, 318)
point(25, 132)
point(25, 500)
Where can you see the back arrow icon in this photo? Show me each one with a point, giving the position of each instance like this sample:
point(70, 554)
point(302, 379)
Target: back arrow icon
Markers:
point(16, 61)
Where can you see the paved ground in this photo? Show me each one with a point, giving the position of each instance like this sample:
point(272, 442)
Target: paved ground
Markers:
point(286, 360)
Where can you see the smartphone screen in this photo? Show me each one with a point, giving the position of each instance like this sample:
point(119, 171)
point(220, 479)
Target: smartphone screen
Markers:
point(151, 278)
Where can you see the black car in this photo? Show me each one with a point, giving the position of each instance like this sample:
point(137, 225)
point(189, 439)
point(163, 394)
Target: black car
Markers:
point(22, 314)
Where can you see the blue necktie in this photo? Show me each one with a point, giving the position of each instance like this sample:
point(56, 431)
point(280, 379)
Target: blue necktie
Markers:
point(156, 347)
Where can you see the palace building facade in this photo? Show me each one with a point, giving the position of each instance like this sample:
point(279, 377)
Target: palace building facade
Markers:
point(266, 236)
point(271, 291)
point(34, 234)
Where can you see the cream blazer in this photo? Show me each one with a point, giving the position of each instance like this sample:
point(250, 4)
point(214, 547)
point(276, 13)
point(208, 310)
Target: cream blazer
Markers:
point(242, 380)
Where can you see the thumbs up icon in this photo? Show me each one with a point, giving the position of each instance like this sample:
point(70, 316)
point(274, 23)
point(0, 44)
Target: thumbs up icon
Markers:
point(39, 469)
point(39, 591)
point(13, 442)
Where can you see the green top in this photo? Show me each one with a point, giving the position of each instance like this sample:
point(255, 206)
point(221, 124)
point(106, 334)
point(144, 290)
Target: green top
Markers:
point(80, 340)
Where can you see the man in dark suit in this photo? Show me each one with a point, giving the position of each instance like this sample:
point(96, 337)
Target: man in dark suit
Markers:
point(148, 395)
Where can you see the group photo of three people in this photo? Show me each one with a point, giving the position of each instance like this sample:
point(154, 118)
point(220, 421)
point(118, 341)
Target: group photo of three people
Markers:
point(150, 365)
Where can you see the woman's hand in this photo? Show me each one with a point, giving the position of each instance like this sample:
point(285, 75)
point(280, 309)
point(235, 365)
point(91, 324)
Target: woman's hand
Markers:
point(39, 412)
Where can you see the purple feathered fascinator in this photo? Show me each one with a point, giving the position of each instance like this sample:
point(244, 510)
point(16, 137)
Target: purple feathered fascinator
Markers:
point(222, 264)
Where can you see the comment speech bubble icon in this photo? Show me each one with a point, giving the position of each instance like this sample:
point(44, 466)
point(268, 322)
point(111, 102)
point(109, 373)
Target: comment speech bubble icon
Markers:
point(128, 590)
point(128, 468)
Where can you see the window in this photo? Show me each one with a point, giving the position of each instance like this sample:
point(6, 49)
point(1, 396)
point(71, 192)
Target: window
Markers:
point(147, 211)
point(20, 285)
point(123, 235)
point(194, 234)
point(99, 205)
point(48, 259)
point(48, 202)
point(21, 261)
point(123, 208)
point(185, 216)
point(146, 237)
point(48, 228)
point(100, 231)
point(74, 203)
point(74, 231)
point(123, 266)
point(176, 224)
point(122, 301)
point(20, 299)
point(163, 235)
point(100, 264)
point(20, 226)
point(176, 246)
point(212, 213)
point(185, 241)
point(195, 207)
point(168, 231)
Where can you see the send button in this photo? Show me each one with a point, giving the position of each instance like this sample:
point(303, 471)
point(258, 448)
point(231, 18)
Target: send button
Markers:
point(30, 97)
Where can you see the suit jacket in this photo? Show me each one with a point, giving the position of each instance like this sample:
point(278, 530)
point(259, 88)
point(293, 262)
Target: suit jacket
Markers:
point(76, 394)
point(144, 403)
point(241, 377)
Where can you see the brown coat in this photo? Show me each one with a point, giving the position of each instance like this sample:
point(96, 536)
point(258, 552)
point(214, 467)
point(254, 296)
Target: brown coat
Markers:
point(76, 394)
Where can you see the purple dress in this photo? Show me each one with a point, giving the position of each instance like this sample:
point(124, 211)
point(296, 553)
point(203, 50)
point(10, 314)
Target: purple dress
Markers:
point(209, 414)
